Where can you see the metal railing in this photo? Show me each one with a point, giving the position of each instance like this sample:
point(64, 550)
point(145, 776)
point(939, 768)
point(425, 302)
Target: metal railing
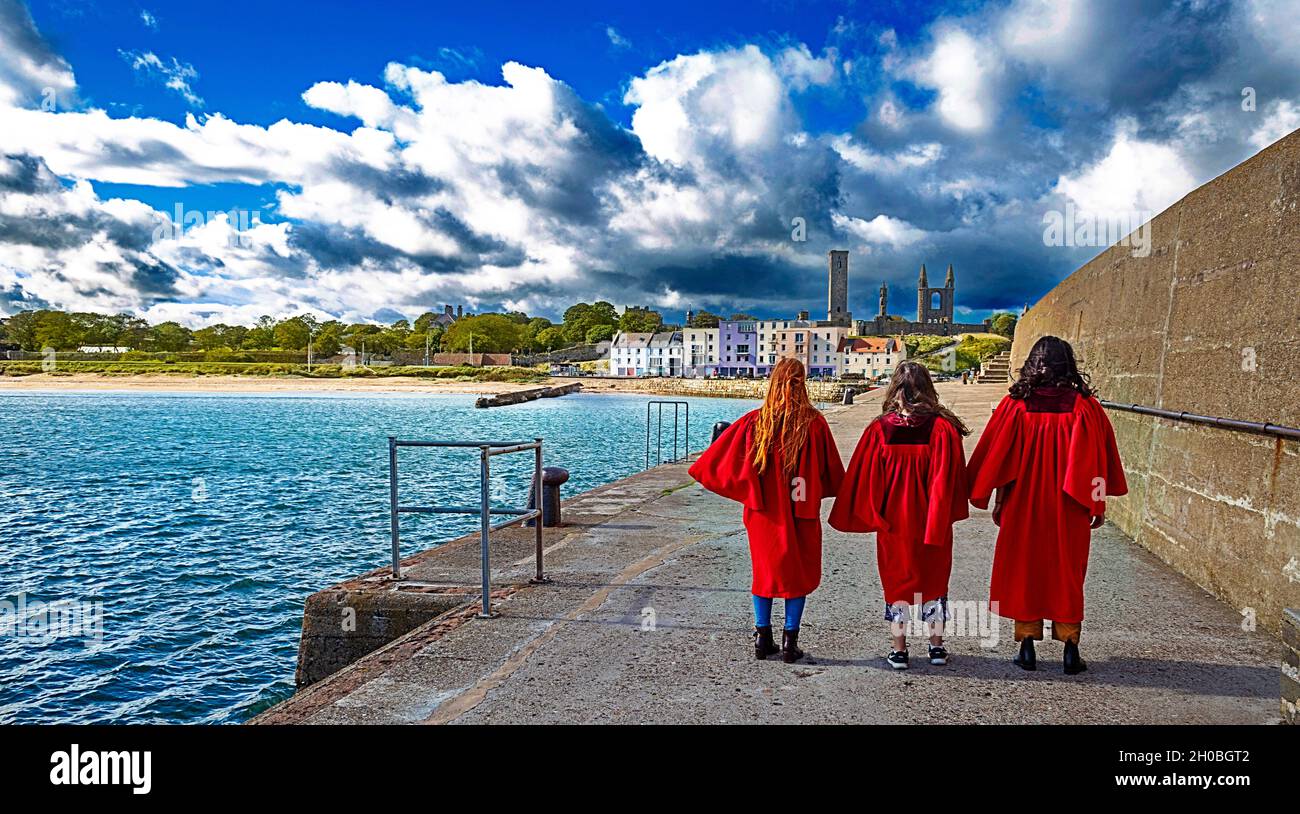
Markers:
point(677, 405)
point(487, 450)
point(1236, 424)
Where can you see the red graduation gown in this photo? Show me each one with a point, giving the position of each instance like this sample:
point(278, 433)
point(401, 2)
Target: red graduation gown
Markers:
point(782, 516)
point(907, 483)
point(1056, 452)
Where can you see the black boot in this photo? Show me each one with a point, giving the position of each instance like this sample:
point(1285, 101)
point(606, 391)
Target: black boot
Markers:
point(1073, 664)
point(790, 652)
point(1026, 660)
point(764, 645)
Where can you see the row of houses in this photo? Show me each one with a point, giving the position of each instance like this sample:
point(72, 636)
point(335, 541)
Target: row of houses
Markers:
point(751, 348)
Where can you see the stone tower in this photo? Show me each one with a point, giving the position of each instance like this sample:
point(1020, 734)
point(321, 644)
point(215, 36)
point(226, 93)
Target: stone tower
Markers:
point(884, 300)
point(837, 289)
point(935, 304)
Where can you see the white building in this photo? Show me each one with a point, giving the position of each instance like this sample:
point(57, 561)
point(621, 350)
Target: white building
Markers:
point(664, 354)
point(871, 356)
point(699, 352)
point(629, 354)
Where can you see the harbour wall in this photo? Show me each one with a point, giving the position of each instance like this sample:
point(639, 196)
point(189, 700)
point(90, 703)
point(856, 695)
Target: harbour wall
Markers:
point(1208, 322)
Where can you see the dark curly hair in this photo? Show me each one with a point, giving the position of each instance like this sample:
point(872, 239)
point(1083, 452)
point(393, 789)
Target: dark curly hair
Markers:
point(1050, 363)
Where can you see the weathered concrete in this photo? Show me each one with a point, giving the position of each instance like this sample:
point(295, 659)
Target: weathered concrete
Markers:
point(647, 620)
point(531, 394)
point(1208, 323)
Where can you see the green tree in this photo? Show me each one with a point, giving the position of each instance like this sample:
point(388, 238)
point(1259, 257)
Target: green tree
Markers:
point(600, 333)
point(582, 317)
point(1003, 324)
point(20, 329)
point(550, 339)
point(640, 320)
point(262, 335)
point(703, 319)
point(171, 337)
point(490, 333)
point(291, 334)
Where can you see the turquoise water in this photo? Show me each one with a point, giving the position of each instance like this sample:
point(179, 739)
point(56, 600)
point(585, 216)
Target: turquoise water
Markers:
point(201, 522)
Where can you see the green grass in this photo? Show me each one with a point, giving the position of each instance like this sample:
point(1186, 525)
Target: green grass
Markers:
point(141, 368)
point(973, 349)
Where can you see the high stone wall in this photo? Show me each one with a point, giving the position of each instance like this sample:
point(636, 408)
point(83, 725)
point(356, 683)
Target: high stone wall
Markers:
point(1208, 323)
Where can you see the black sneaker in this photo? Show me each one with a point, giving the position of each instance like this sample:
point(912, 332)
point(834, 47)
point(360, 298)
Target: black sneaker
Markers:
point(938, 655)
point(897, 659)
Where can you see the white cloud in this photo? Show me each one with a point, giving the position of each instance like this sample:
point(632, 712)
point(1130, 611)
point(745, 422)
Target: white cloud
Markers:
point(1134, 176)
point(963, 71)
point(616, 39)
point(148, 19)
point(802, 70)
point(1047, 31)
point(864, 158)
point(1281, 117)
point(882, 230)
point(693, 105)
point(175, 75)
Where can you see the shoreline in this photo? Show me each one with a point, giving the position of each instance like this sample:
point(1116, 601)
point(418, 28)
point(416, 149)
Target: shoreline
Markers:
point(169, 383)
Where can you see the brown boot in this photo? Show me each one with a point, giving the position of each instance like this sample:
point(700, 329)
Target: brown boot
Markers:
point(764, 644)
point(790, 652)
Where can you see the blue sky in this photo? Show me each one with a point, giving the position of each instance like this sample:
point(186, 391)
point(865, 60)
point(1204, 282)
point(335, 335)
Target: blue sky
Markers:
point(522, 155)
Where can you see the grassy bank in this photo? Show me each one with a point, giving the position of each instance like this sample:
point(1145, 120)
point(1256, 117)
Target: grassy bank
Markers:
point(281, 369)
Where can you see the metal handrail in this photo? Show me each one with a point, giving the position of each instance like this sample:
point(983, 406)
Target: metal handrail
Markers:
point(1235, 424)
point(660, 437)
point(487, 450)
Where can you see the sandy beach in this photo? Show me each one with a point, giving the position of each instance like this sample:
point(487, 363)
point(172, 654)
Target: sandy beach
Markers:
point(253, 384)
point(291, 384)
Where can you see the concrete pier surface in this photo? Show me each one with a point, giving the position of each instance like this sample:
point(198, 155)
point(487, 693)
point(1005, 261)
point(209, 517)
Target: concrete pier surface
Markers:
point(648, 620)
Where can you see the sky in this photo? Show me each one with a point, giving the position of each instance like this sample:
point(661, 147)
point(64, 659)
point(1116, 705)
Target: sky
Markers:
point(370, 162)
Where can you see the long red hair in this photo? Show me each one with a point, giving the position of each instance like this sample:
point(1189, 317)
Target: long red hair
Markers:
point(784, 417)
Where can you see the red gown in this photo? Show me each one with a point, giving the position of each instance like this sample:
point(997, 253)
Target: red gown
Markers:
point(907, 483)
point(1055, 452)
point(783, 517)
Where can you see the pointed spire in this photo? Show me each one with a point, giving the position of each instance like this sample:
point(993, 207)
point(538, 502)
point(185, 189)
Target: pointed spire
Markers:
point(922, 282)
point(949, 283)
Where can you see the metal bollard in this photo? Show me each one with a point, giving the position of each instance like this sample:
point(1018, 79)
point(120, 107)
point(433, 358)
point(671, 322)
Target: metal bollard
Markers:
point(848, 396)
point(552, 477)
point(719, 428)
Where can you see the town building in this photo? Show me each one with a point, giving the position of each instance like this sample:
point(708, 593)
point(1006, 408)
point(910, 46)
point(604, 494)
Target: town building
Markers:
point(870, 356)
point(664, 354)
point(700, 352)
point(738, 348)
point(629, 354)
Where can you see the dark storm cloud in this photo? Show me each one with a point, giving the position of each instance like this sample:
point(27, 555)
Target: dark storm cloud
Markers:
point(334, 247)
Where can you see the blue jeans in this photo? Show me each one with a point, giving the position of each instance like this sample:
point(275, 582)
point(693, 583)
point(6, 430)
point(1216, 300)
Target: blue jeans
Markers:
point(793, 611)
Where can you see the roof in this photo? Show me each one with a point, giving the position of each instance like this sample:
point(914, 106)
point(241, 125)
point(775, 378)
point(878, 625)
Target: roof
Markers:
point(868, 344)
point(632, 340)
point(665, 338)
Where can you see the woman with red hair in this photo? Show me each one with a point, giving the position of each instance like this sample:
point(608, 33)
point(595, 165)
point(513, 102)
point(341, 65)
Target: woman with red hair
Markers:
point(780, 462)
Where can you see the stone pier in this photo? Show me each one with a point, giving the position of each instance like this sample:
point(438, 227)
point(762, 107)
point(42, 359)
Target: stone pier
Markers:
point(647, 620)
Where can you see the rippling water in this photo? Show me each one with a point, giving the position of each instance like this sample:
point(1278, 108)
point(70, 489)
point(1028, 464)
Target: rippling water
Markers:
point(201, 522)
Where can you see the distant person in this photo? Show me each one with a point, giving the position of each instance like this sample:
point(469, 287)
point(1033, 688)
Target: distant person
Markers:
point(780, 461)
point(1049, 452)
point(907, 483)
point(965, 376)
